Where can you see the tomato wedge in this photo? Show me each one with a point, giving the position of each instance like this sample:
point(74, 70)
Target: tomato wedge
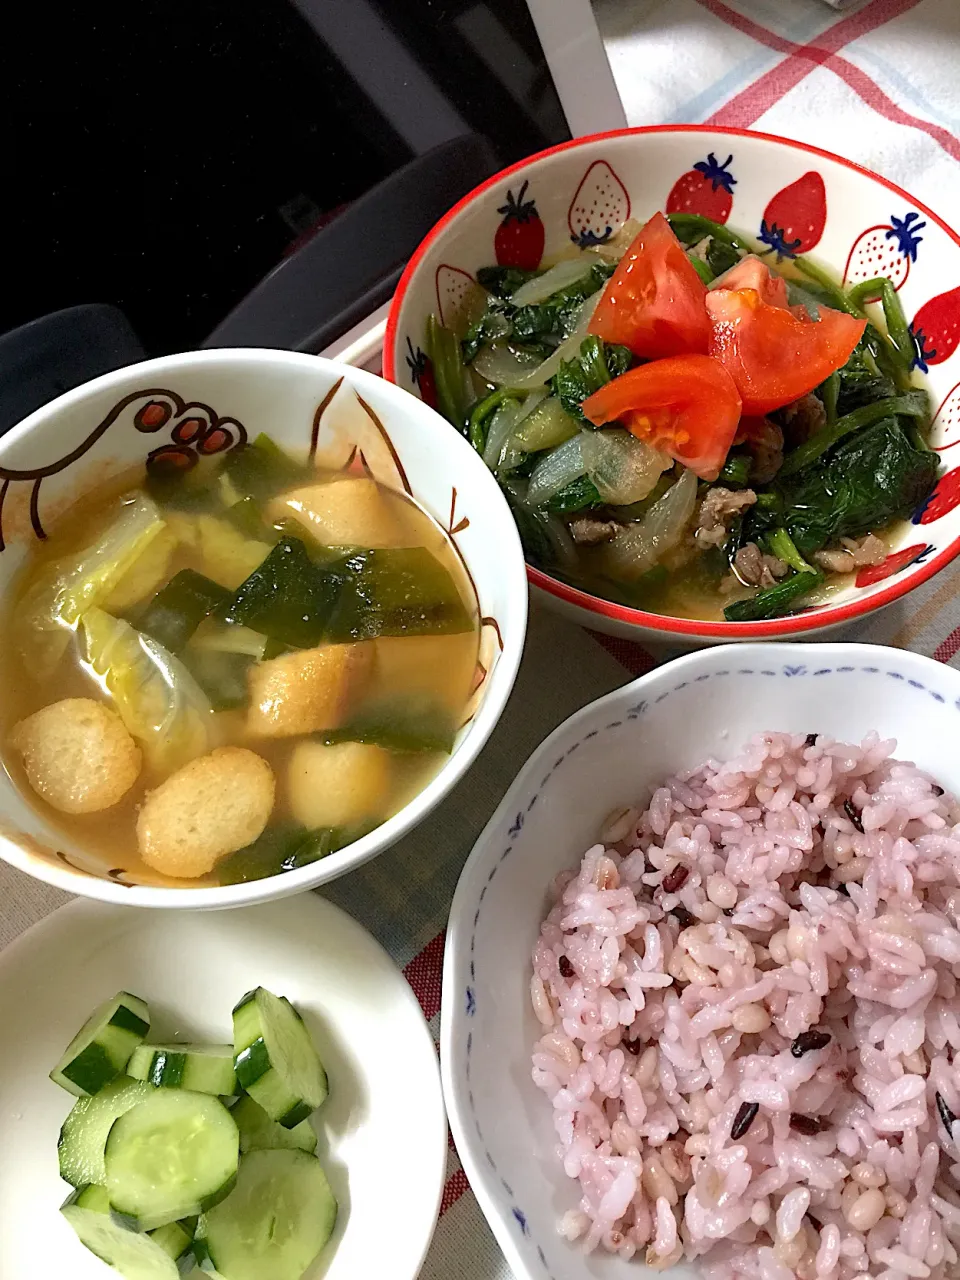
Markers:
point(774, 355)
point(751, 273)
point(687, 406)
point(655, 302)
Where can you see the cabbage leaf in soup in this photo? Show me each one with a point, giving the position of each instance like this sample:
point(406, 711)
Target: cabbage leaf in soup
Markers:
point(54, 603)
point(154, 694)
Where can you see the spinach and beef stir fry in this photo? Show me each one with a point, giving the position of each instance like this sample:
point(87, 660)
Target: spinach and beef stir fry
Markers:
point(682, 427)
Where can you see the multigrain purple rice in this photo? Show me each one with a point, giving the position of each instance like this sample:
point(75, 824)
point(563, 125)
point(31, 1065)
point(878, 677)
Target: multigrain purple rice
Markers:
point(843, 940)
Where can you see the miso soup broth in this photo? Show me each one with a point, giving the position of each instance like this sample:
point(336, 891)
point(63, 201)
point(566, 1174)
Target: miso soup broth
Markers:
point(218, 676)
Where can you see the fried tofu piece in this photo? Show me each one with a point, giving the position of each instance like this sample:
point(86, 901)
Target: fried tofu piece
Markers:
point(213, 806)
point(146, 575)
point(308, 690)
point(339, 785)
point(436, 668)
point(77, 755)
point(223, 553)
point(349, 512)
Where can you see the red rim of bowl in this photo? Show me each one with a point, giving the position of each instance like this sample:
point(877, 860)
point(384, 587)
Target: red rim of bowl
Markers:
point(821, 616)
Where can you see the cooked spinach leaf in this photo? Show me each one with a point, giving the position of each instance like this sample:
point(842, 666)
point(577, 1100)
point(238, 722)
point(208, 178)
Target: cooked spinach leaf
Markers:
point(595, 365)
point(775, 601)
point(861, 484)
point(547, 322)
point(504, 281)
point(721, 256)
point(578, 495)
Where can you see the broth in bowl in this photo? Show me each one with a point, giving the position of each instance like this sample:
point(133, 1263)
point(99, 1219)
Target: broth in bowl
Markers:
point(234, 670)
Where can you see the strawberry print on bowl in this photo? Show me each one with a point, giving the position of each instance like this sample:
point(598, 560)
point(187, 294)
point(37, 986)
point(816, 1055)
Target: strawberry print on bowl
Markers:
point(520, 236)
point(946, 421)
point(936, 329)
point(599, 208)
point(706, 189)
point(794, 219)
point(872, 573)
point(944, 499)
point(885, 250)
point(785, 200)
point(454, 287)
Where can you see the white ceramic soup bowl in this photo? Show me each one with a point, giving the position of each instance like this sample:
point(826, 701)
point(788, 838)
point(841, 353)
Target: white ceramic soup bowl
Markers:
point(210, 401)
point(603, 757)
point(850, 220)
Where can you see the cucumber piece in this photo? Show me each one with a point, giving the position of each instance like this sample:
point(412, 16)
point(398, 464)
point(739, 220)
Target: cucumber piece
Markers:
point(276, 1061)
point(102, 1047)
point(176, 1240)
point(84, 1133)
point(259, 1133)
point(204, 1068)
point(93, 1196)
point(277, 1219)
point(134, 1256)
point(170, 1157)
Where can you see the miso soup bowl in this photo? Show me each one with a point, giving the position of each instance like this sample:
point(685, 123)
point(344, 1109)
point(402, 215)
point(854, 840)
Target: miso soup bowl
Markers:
point(171, 411)
point(583, 191)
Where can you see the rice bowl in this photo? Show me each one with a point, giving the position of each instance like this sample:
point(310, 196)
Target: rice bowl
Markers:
point(617, 752)
point(747, 996)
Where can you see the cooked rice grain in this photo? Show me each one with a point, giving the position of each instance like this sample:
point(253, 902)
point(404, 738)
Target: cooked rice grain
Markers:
point(679, 977)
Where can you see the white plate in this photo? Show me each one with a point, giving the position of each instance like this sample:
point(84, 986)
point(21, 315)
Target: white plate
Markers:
point(382, 1130)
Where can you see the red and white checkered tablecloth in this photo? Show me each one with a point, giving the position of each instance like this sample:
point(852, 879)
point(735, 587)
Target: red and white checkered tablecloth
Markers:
point(875, 81)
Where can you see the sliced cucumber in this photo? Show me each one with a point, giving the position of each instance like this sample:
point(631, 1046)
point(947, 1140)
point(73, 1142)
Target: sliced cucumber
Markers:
point(170, 1157)
point(176, 1240)
point(204, 1068)
point(134, 1256)
point(275, 1222)
point(94, 1196)
point(84, 1133)
point(276, 1061)
point(102, 1047)
point(259, 1133)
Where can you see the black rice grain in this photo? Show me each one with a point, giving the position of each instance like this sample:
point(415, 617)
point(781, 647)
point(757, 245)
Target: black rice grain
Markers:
point(744, 1119)
point(809, 1126)
point(946, 1115)
point(809, 1040)
point(811, 740)
point(852, 814)
point(566, 968)
point(682, 916)
point(675, 879)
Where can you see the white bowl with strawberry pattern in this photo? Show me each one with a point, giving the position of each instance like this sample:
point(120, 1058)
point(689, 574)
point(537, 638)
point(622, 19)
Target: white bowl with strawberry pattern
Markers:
point(791, 199)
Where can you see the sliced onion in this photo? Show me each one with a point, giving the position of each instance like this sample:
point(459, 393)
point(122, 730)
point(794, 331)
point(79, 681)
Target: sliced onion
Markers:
point(504, 367)
point(511, 454)
point(566, 350)
point(559, 468)
point(562, 276)
point(550, 425)
point(623, 468)
point(642, 545)
point(500, 430)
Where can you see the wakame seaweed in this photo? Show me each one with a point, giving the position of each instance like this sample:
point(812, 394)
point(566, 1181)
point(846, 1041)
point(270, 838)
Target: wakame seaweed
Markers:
point(178, 608)
point(289, 597)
